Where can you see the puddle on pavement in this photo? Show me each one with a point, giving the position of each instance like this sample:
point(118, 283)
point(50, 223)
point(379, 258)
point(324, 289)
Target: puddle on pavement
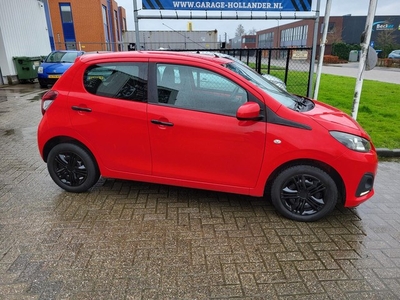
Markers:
point(25, 133)
point(37, 97)
point(18, 89)
point(8, 90)
point(27, 91)
point(9, 132)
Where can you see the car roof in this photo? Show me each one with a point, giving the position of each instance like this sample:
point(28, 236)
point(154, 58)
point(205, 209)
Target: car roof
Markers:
point(156, 54)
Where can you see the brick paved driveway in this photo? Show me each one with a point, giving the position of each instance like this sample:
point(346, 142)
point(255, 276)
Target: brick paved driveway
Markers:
point(129, 240)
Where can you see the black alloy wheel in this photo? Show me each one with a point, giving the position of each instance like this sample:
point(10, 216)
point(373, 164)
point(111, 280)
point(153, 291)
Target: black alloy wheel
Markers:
point(304, 193)
point(72, 168)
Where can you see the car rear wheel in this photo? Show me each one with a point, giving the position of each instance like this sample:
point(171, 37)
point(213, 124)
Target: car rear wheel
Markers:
point(304, 193)
point(72, 168)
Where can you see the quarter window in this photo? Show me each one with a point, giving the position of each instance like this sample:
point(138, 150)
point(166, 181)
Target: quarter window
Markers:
point(198, 89)
point(126, 81)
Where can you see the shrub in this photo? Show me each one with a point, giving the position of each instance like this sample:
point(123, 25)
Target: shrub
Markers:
point(331, 59)
point(342, 50)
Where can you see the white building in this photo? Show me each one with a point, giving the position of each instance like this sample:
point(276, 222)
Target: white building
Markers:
point(154, 40)
point(23, 32)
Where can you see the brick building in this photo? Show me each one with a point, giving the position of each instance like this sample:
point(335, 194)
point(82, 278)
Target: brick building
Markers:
point(90, 25)
point(347, 29)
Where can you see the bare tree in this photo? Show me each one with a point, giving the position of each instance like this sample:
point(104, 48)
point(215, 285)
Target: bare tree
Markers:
point(252, 31)
point(239, 31)
point(386, 41)
point(335, 36)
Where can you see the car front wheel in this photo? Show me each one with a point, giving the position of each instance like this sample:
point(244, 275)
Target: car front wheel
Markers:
point(42, 84)
point(304, 193)
point(72, 168)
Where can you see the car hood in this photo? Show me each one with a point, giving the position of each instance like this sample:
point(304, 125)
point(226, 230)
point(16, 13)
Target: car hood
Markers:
point(332, 118)
point(55, 67)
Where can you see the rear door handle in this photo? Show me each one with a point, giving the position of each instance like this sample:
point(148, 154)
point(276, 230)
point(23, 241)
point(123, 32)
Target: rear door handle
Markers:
point(162, 123)
point(79, 108)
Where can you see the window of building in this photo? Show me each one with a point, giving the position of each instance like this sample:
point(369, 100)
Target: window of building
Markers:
point(116, 25)
point(305, 32)
point(265, 40)
point(249, 40)
point(67, 26)
point(66, 14)
point(105, 26)
point(331, 27)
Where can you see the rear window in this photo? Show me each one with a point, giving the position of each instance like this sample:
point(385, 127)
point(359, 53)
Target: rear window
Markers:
point(127, 81)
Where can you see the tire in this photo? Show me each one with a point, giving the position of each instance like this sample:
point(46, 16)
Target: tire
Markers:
point(72, 168)
point(304, 193)
point(42, 84)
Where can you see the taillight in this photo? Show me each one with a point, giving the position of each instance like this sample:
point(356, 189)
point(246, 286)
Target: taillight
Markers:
point(47, 100)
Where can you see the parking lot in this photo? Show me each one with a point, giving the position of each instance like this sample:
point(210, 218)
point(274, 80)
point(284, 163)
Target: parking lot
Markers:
point(131, 240)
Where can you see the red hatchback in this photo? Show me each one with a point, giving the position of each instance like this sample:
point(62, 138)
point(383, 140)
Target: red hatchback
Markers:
point(205, 122)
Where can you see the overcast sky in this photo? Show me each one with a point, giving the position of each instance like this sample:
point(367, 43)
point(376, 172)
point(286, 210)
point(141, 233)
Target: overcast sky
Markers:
point(338, 8)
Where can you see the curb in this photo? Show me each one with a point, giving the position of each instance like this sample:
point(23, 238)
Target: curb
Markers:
point(385, 152)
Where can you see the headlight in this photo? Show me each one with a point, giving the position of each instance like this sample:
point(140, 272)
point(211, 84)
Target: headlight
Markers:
point(351, 141)
point(40, 70)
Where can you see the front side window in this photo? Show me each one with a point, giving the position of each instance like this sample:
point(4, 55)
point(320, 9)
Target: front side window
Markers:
point(198, 89)
point(126, 81)
point(270, 88)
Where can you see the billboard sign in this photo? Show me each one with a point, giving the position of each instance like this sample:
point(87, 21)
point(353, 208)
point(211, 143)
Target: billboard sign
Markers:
point(229, 5)
point(383, 25)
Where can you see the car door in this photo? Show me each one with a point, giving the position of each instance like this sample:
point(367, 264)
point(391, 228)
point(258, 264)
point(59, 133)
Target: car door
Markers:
point(194, 133)
point(109, 112)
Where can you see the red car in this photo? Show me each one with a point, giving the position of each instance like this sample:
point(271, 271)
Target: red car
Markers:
point(206, 122)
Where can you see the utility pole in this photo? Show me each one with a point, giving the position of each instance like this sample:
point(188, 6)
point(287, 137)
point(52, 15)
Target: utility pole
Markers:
point(365, 41)
point(314, 50)
point(135, 17)
point(322, 45)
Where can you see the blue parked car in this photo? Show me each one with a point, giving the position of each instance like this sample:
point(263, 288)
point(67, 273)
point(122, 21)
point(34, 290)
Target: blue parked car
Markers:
point(394, 54)
point(55, 64)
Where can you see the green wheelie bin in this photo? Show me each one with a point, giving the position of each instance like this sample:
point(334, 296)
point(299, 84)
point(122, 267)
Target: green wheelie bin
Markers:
point(27, 68)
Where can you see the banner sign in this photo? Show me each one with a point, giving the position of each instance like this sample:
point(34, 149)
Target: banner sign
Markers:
point(231, 5)
point(383, 25)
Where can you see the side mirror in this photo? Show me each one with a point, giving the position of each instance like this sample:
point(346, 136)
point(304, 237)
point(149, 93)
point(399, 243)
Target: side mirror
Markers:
point(248, 111)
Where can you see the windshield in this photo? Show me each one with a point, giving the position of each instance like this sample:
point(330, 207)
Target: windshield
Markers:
point(270, 88)
point(62, 57)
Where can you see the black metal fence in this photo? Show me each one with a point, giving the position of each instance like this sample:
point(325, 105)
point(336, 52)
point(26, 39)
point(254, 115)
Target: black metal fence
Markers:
point(292, 65)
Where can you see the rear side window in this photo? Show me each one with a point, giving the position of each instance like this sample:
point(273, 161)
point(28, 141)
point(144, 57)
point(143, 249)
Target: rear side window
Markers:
point(127, 81)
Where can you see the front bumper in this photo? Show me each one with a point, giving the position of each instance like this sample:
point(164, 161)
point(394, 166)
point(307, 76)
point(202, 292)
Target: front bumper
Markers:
point(358, 172)
point(48, 79)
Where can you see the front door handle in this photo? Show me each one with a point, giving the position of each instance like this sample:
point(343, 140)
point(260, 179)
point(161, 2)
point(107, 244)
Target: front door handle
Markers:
point(158, 122)
point(79, 108)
